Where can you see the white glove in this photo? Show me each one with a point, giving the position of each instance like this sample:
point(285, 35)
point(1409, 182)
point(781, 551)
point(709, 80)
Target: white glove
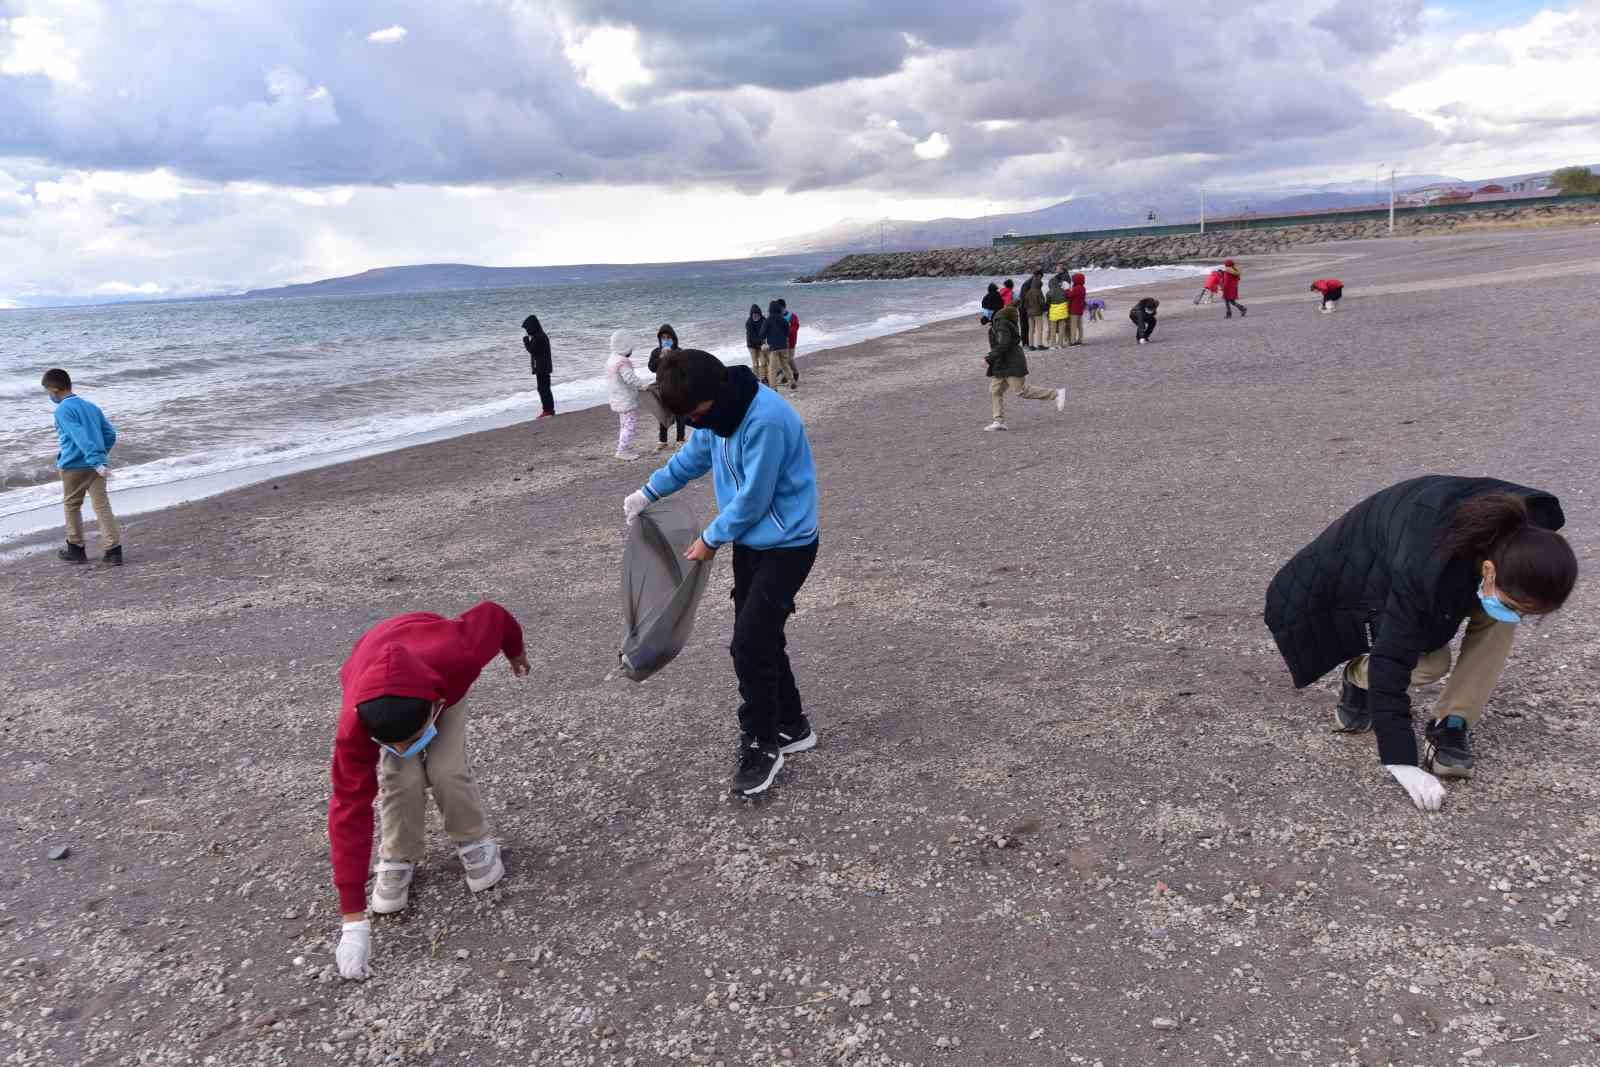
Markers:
point(354, 947)
point(1427, 792)
point(634, 504)
point(103, 471)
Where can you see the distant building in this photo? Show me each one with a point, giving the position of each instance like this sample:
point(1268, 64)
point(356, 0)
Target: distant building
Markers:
point(1492, 188)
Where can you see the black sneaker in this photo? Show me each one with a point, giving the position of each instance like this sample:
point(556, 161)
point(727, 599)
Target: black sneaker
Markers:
point(759, 764)
point(800, 738)
point(1352, 716)
point(1446, 750)
point(73, 554)
point(113, 557)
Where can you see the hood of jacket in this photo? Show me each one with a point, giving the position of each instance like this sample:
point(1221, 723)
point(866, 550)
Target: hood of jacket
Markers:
point(732, 402)
point(667, 330)
point(397, 672)
point(620, 343)
point(1056, 294)
point(1077, 279)
point(531, 325)
point(1009, 313)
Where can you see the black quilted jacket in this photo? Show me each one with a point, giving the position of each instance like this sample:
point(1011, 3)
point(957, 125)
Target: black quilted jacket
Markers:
point(1376, 582)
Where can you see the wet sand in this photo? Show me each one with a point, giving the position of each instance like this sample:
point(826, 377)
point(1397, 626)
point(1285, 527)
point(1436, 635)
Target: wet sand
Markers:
point(1064, 788)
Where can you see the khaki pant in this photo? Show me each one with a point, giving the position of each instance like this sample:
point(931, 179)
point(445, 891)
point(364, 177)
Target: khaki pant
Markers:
point(1020, 386)
point(1037, 326)
point(780, 367)
point(1058, 332)
point(1484, 649)
point(75, 484)
point(442, 766)
point(758, 363)
point(1074, 329)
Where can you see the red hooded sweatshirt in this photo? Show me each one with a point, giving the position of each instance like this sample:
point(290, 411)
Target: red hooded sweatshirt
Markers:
point(1077, 296)
point(1322, 285)
point(1006, 296)
point(1230, 282)
point(794, 329)
point(415, 655)
point(1214, 280)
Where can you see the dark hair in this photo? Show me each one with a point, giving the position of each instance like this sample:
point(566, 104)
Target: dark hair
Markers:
point(755, 309)
point(1535, 567)
point(393, 719)
point(688, 378)
point(1010, 282)
point(56, 378)
point(993, 288)
point(782, 303)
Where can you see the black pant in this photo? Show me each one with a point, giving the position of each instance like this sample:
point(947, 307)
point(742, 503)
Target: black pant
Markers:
point(1332, 295)
point(765, 583)
point(663, 428)
point(547, 399)
point(1234, 304)
point(1143, 327)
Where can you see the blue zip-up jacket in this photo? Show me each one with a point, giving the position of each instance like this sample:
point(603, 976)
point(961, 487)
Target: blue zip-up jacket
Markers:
point(765, 480)
point(85, 434)
point(777, 332)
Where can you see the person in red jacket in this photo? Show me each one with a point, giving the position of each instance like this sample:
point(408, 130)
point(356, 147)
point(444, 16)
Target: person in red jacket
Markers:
point(794, 335)
point(1077, 299)
point(1230, 289)
point(1331, 289)
point(1208, 292)
point(1007, 293)
point(403, 729)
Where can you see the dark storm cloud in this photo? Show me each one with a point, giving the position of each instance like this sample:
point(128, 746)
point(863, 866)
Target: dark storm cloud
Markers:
point(813, 95)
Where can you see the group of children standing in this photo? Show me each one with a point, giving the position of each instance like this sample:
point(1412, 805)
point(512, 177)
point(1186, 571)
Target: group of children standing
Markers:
point(770, 338)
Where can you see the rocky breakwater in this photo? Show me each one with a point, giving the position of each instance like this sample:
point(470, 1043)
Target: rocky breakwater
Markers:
point(1154, 251)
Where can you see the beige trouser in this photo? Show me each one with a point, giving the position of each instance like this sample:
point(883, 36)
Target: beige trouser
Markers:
point(1058, 332)
point(758, 363)
point(1036, 330)
point(1020, 386)
point(74, 485)
point(443, 766)
point(1484, 649)
point(780, 367)
point(1074, 329)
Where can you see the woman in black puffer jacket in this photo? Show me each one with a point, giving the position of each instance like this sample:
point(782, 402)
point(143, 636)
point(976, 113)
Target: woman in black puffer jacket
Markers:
point(666, 341)
point(1384, 589)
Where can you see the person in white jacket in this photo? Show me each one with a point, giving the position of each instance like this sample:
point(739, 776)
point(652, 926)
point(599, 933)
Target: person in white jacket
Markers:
point(623, 386)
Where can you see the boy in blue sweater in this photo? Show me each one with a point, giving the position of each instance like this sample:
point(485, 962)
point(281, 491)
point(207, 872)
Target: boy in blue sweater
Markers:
point(85, 438)
point(755, 447)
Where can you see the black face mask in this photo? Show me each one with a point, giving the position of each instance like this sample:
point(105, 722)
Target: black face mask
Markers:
point(733, 400)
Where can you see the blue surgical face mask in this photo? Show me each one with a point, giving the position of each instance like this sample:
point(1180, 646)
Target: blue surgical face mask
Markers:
point(416, 746)
point(1497, 610)
point(666, 342)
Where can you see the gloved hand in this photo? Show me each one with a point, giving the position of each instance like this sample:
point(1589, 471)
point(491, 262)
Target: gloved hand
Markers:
point(1427, 792)
point(634, 504)
point(354, 947)
point(103, 471)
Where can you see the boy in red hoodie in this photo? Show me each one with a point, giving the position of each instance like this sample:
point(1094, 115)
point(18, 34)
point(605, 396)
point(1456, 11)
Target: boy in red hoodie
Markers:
point(1077, 299)
point(402, 730)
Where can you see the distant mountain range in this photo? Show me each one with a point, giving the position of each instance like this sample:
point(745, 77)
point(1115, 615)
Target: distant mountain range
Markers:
point(1103, 211)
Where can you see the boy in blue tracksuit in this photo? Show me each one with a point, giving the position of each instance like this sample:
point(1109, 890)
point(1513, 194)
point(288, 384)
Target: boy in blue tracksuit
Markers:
point(85, 438)
point(754, 445)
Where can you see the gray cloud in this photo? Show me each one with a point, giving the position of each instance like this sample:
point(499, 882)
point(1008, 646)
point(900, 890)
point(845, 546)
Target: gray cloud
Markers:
point(1365, 28)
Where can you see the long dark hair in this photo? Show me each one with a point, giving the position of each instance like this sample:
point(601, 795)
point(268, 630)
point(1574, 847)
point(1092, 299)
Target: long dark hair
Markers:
point(1533, 566)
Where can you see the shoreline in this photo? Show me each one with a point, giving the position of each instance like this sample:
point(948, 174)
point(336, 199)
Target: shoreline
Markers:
point(1066, 806)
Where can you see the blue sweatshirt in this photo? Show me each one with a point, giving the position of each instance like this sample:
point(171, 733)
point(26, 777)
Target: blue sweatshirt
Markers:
point(84, 433)
point(765, 480)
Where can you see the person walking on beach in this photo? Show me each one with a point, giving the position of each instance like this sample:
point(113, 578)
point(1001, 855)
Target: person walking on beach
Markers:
point(991, 303)
point(1057, 299)
point(755, 446)
point(538, 345)
point(84, 439)
point(1008, 369)
point(755, 330)
point(623, 388)
point(1143, 317)
point(402, 731)
point(1007, 293)
point(666, 341)
point(1077, 298)
point(1332, 290)
point(777, 338)
point(1384, 589)
point(1230, 289)
point(1035, 308)
point(1208, 292)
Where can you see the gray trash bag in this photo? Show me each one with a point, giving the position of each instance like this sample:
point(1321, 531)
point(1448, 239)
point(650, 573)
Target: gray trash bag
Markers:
point(660, 589)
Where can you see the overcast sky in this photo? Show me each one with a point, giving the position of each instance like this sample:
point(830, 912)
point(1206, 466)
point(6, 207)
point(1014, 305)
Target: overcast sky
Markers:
point(182, 146)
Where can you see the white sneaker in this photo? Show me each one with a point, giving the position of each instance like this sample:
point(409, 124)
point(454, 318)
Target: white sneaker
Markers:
point(391, 889)
point(481, 860)
point(995, 425)
point(1061, 400)
point(1142, 340)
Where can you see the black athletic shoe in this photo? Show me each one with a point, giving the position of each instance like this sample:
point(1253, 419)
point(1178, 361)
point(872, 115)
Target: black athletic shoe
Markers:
point(759, 764)
point(1243, 311)
point(113, 557)
point(72, 554)
point(800, 738)
point(1352, 716)
point(1447, 750)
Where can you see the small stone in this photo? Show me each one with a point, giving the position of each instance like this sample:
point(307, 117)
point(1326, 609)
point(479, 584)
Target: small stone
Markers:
point(291, 914)
point(60, 852)
point(860, 999)
point(1398, 1021)
point(462, 954)
point(1161, 1022)
point(299, 961)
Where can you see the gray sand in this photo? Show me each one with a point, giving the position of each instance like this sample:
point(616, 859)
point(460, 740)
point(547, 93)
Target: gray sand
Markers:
point(1066, 808)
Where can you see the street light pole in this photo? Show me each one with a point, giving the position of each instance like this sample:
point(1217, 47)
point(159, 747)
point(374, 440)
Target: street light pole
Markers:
point(1391, 201)
point(1202, 209)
